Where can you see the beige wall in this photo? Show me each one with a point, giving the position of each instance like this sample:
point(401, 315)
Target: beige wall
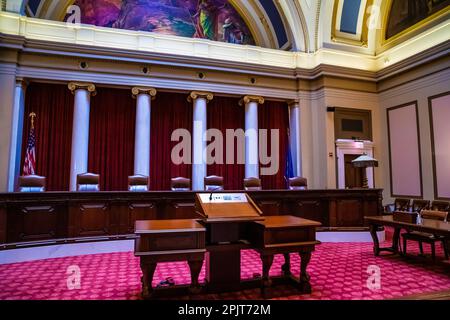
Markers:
point(318, 139)
point(418, 90)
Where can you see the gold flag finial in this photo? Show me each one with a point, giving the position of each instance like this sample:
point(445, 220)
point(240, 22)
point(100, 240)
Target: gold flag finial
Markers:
point(32, 116)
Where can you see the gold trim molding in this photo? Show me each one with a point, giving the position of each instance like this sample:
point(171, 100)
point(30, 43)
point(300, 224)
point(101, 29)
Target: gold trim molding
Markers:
point(141, 90)
point(90, 87)
point(247, 99)
point(194, 95)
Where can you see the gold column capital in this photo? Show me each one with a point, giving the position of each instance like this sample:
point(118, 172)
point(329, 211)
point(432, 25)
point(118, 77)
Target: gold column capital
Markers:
point(144, 90)
point(194, 95)
point(293, 103)
point(247, 99)
point(90, 87)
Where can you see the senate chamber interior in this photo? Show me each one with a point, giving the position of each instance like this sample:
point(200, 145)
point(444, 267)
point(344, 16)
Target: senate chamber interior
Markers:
point(224, 150)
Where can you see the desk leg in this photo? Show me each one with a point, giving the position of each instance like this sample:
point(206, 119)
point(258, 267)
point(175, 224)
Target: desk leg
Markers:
point(395, 240)
point(195, 266)
point(376, 243)
point(287, 265)
point(305, 285)
point(267, 261)
point(148, 270)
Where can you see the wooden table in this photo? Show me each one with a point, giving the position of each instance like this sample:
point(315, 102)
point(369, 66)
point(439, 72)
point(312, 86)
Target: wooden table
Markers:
point(427, 225)
point(175, 240)
point(285, 235)
point(168, 241)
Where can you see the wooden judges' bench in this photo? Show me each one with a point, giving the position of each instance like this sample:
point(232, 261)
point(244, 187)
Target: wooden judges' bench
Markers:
point(28, 219)
point(227, 224)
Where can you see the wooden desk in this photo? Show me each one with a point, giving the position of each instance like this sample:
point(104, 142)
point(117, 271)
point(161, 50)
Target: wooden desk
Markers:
point(168, 241)
point(285, 235)
point(175, 240)
point(427, 225)
point(47, 218)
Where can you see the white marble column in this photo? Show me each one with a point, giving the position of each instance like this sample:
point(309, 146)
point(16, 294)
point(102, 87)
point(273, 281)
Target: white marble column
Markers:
point(16, 134)
point(251, 135)
point(199, 143)
point(143, 98)
point(80, 132)
point(295, 136)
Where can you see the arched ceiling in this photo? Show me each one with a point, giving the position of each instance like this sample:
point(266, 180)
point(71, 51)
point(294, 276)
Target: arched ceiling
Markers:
point(366, 26)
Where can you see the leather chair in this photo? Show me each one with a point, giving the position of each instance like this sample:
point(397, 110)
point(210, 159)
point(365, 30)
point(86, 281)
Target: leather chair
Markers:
point(419, 205)
point(88, 182)
point(400, 204)
point(138, 183)
point(252, 184)
point(180, 184)
point(32, 183)
point(422, 237)
point(440, 206)
point(214, 183)
point(298, 183)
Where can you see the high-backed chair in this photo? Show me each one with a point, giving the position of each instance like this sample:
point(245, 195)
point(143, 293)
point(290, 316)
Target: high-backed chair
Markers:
point(88, 182)
point(430, 238)
point(440, 206)
point(214, 183)
point(400, 204)
point(419, 205)
point(32, 183)
point(138, 183)
point(180, 184)
point(252, 184)
point(298, 183)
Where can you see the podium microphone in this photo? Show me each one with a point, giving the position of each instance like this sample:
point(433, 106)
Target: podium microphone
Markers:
point(212, 191)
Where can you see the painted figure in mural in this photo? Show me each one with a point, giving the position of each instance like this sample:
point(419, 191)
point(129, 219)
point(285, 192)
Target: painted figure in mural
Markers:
point(231, 33)
point(206, 16)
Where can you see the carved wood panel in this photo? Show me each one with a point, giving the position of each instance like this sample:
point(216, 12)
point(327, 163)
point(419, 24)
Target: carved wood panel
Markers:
point(31, 222)
point(94, 219)
point(177, 210)
point(138, 211)
point(349, 213)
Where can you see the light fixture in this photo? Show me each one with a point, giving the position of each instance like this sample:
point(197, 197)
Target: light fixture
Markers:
point(365, 161)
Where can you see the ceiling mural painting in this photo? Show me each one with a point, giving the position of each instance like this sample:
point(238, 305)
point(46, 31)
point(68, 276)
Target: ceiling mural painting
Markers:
point(406, 13)
point(206, 19)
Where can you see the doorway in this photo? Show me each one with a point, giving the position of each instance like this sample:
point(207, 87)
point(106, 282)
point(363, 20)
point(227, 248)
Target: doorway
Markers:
point(353, 175)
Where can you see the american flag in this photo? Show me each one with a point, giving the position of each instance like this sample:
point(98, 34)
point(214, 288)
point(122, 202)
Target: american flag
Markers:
point(29, 168)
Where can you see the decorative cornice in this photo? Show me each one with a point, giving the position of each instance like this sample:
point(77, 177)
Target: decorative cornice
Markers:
point(90, 87)
point(142, 90)
point(194, 95)
point(247, 99)
point(293, 103)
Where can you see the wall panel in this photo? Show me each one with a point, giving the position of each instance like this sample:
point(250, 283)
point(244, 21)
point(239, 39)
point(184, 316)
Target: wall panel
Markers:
point(440, 142)
point(404, 151)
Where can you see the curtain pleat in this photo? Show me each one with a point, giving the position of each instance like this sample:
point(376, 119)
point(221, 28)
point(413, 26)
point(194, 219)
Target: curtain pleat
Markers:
point(111, 137)
point(225, 113)
point(53, 105)
point(170, 111)
point(275, 115)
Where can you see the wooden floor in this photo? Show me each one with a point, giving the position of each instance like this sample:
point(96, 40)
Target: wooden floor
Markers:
point(442, 295)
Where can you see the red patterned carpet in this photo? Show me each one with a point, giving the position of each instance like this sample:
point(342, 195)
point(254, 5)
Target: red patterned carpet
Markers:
point(338, 272)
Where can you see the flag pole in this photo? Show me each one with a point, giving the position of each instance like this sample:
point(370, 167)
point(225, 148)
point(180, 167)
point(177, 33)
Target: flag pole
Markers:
point(32, 117)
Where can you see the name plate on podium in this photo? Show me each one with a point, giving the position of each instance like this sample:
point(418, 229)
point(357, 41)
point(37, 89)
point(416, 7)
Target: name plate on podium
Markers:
point(226, 215)
point(223, 197)
point(223, 207)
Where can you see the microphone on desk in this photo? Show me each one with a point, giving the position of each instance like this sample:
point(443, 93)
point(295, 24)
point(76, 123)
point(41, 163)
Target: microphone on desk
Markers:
point(212, 191)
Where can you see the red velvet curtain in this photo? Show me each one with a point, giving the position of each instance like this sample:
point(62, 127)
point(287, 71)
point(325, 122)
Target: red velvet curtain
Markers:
point(170, 111)
point(111, 137)
point(53, 105)
point(225, 113)
point(275, 115)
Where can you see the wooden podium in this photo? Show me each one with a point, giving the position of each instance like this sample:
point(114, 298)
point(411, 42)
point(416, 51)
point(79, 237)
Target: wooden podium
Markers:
point(227, 218)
